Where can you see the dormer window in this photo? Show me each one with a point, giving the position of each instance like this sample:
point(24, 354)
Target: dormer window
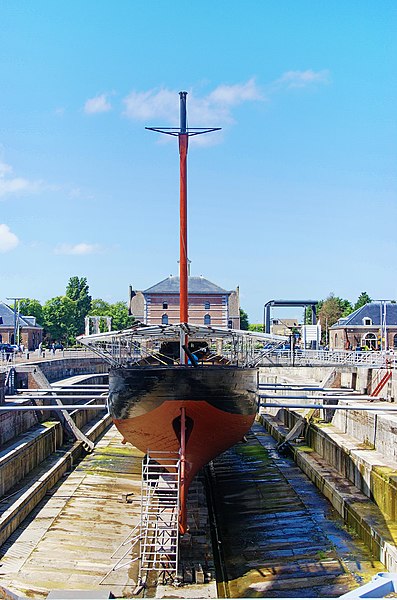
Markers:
point(367, 321)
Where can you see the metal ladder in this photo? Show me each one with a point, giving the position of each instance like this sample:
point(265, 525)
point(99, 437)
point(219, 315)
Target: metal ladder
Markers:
point(10, 381)
point(160, 516)
point(158, 530)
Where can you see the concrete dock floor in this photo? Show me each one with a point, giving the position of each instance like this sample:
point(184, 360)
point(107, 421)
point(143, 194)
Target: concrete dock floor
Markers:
point(68, 540)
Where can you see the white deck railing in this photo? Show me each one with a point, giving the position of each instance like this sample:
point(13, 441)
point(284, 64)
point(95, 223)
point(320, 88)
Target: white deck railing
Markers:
point(331, 357)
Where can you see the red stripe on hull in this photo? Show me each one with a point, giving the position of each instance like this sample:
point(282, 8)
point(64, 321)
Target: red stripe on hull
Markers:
point(213, 432)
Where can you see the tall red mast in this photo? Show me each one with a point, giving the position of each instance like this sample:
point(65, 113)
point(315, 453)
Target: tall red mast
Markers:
point(183, 133)
point(183, 258)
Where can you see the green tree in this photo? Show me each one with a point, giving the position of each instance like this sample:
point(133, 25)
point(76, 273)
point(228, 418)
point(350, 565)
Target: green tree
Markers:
point(244, 324)
point(99, 308)
point(308, 312)
point(30, 307)
point(362, 300)
point(118, 311)
point(77, 290)
point(120, 317)
point(60, 319)
point(255, 327)
point(332, 309)
point(345, 306)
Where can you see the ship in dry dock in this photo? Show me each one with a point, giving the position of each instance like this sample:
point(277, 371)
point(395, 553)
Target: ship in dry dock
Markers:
point(184, 387)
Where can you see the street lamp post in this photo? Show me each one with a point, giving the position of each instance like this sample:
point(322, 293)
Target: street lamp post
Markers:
point(16, 319)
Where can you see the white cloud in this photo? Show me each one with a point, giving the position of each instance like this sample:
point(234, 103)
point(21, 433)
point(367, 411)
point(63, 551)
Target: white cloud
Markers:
point(77, 249)
point(212, 110)
point(99, 104)
point(8, 239)
point(295, 79)
point(80, 193)
point(231, 95)
point(4, 169)
point(13, 185)
point(146, 105)
point(215, 109)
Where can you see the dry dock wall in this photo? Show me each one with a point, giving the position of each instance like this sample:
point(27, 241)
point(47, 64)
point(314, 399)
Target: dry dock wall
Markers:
point(360, 379)
point(57, 369)
point(352, 459)
point(35, 451)
point(13, 424)
point(360, 445)
point(2, 386)
point(47, 476)
point(20, 457)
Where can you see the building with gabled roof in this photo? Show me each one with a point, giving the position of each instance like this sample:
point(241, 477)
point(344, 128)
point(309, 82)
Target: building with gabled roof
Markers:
point(372, 326)
point(209, 304)
point(30, 332)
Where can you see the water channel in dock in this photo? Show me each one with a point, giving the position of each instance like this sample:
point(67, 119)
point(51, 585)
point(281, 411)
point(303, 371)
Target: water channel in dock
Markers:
point(278, 536)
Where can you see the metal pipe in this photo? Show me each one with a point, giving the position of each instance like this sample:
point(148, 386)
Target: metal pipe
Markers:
point(294, 388)
point(262, 404)
point(24, 408)
point(333, 406)
point(60, 390)
point(52, 397)
point(182, 111)
point(302, 397)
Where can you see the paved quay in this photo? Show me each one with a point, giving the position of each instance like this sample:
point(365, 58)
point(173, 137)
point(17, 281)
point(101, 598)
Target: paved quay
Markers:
point(68, 540)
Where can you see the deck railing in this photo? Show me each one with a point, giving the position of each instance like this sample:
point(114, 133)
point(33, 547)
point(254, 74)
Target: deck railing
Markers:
point(300, 357)
point(373, 359)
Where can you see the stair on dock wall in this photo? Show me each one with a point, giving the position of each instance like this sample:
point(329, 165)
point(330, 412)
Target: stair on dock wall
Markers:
point(381, 384)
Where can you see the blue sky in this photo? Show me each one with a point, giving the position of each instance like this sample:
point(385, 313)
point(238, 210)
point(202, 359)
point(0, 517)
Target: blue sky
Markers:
point(294, 198)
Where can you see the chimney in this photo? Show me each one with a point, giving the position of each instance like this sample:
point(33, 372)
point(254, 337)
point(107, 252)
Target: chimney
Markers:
point(188, 268)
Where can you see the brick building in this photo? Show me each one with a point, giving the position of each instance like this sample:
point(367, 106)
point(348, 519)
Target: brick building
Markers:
point(30, 333)
point(283, 326)
point(209, 304)
point(372, 326)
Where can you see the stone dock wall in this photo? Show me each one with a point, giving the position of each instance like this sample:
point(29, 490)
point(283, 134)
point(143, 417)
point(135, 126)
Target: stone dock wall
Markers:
point(57, 369)
point(36, 449)
point(350, 455)
point(360, 379)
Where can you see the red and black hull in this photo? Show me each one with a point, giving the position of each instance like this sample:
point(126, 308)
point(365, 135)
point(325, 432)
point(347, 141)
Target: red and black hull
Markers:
point(219, 405)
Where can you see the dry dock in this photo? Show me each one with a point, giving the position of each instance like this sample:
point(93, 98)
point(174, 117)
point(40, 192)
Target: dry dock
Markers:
point(273, 534)
point(278, 536)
